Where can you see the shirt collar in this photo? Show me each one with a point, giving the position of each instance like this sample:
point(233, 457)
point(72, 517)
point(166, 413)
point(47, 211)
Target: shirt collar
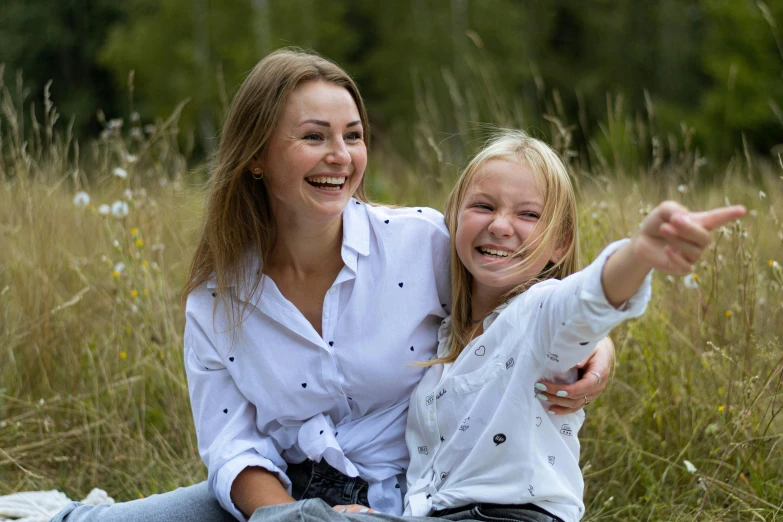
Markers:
point(356, 227)
point(356, 236)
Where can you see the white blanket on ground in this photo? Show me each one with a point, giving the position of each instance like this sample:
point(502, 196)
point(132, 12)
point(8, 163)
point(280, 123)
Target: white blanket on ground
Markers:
point(41, 506)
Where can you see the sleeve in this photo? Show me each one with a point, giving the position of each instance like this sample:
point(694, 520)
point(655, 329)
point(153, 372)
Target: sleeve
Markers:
point(573, 314)
point(441, 258)
point(228, 439)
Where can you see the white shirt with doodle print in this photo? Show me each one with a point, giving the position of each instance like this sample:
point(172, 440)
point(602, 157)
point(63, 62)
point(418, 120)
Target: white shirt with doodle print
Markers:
point(477, 433)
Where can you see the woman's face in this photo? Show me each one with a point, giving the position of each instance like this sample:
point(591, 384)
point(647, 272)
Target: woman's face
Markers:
point(316, 156)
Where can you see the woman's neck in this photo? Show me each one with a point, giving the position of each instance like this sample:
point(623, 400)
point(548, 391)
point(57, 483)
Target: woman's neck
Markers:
point(483, 301)
point(306, 247)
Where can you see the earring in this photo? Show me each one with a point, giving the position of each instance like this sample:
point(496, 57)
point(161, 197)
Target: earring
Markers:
point(258, 174)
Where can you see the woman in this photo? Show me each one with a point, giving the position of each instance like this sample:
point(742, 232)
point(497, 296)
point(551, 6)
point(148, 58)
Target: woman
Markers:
point(306, 310)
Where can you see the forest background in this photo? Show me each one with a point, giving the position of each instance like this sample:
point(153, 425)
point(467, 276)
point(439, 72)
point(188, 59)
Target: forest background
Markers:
point(109, 112)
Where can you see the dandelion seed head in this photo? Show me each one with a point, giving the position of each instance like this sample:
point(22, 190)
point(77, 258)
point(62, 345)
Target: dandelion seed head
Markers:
point(104, 210)
point(81, 199)
point(119, 209)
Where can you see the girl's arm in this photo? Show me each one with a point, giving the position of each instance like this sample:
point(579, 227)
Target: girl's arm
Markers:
point(670, 240)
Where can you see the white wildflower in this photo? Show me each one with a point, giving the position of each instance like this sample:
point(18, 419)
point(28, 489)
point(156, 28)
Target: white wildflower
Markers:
point(120, 173)
point(128, 194)
point(119, 268)
point(689, 466)
point(41, 402)
point(135, 132)
point(670, 278)
point(81, 199)
point(116, 244)
point(682, 189)
point(753, 213)
point(762, 194)
point(131, 158)
point(150, 129)
point(602, 204)
point(134, 309)
point(119, 209)
point(116, 123)
point(104, 210)
point(134, 116)
point(775, 265)
point(595, 215)
point(691, 281)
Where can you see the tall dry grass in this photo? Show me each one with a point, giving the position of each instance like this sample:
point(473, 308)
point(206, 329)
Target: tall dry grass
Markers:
point(92, 389)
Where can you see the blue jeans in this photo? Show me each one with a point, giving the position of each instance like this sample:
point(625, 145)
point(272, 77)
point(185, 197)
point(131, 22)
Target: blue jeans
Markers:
point(316, 510)
point(318, 487)
point(195, 503)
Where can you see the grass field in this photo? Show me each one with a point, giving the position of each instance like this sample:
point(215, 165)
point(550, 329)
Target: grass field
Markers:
point(92, 387)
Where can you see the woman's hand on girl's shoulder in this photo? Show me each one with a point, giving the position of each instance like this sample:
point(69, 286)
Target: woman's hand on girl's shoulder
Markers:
point(595, 370)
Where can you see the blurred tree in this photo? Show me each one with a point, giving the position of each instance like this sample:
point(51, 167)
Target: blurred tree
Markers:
point(180, 48)
point(58, 41)
point(743, 57)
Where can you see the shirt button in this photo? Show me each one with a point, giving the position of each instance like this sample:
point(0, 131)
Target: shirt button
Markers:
point(432, 416)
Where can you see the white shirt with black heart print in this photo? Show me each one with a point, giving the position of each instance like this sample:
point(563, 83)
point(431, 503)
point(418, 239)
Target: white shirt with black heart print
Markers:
point(274, 391)
point(476, 431)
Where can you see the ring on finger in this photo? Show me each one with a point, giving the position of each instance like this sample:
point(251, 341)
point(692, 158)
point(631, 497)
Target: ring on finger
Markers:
point(598, 375)
point(586, 401)
point(343, 510)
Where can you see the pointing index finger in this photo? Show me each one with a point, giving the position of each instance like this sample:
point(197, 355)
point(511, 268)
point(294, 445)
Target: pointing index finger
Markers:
point(711, 219)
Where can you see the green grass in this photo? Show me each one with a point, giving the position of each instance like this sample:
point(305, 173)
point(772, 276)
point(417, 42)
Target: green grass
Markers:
point(92, 387)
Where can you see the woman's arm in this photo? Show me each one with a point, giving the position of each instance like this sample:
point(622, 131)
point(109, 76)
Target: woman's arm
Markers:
point(256, 487)
point(229, 440)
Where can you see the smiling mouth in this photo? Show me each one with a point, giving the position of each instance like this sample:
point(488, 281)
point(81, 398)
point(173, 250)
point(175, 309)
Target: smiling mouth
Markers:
point(327, 182)
point(491, 252)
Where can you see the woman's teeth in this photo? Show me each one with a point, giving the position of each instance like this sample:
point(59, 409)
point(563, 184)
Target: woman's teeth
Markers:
point(493, 252)
point(326, 183)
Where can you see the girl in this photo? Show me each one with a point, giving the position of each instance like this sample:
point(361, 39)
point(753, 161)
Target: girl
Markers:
point(481, 442)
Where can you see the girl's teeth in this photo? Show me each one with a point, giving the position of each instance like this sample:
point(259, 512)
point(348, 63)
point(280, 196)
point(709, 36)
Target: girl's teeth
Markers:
point(492, 251)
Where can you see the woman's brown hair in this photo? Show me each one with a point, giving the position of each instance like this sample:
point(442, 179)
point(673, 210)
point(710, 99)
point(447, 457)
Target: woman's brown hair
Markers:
point(239, 230)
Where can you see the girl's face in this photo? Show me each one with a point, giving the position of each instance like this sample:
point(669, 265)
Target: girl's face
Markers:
point(316, 156)
point(499, 215)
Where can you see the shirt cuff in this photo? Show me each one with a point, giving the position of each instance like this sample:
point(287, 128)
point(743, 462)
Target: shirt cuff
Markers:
point(593, 291)
point(227, 474)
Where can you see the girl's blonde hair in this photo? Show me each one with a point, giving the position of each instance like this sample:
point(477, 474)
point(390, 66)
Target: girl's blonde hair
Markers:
point(237, 219)
point(557, 224)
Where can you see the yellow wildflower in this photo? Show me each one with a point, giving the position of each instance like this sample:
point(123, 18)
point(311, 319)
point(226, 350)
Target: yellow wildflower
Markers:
point(145, 292)
point(134, 293)
point(139, 242)
point(144, 263)
point(728, 314)
point(115, 274)
point(134, 231)
point(123, 355)
point(771, 262)
point(721, 408)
